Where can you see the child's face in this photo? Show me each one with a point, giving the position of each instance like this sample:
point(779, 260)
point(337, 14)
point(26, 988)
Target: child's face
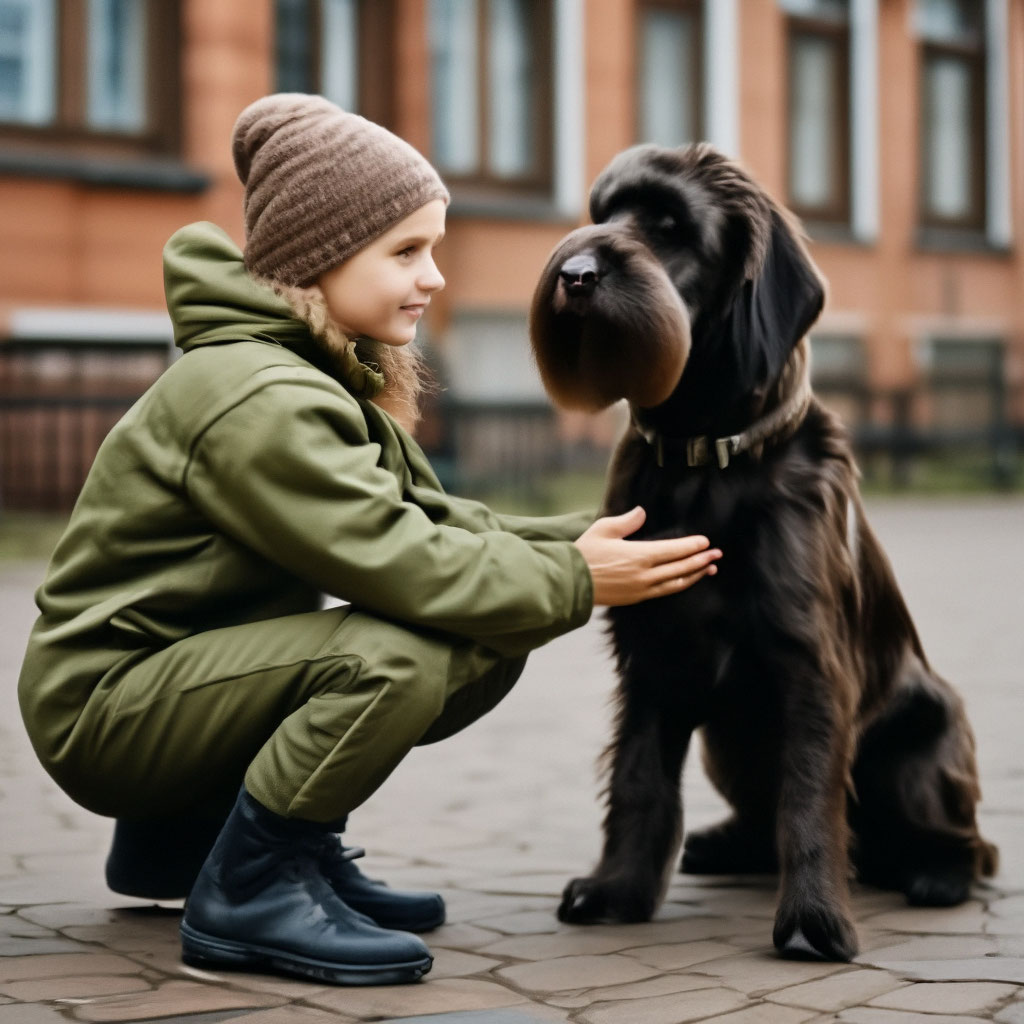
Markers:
point(384, 289)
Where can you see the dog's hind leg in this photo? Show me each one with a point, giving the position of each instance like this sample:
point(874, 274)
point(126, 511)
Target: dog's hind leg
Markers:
point(642, 825)
point(915, 793)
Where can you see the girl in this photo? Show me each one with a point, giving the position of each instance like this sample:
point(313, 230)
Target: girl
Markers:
point(182, 675)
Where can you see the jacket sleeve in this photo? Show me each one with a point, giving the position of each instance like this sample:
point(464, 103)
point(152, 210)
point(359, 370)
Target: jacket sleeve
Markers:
point(291, 472)
point(454, 510)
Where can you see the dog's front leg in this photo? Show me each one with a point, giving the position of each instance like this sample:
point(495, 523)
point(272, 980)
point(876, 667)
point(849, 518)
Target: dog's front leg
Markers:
point(643, 824)
point(813, 920)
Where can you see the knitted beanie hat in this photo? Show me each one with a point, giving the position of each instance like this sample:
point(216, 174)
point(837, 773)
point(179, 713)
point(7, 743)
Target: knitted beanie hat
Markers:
point(321, 184)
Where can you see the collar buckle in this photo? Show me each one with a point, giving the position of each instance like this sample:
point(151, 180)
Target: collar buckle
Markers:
point(696, 450)
point(726, 446)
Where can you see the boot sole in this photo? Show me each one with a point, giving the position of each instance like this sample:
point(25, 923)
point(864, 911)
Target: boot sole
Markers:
point(206, 951)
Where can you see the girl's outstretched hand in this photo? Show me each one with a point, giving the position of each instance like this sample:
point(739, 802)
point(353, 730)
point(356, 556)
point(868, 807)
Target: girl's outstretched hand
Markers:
point(629, 571)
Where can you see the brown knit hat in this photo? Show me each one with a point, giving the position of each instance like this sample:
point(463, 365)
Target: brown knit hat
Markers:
point(321, 184)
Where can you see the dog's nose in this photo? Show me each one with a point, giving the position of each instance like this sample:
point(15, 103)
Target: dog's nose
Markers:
point(580, 274)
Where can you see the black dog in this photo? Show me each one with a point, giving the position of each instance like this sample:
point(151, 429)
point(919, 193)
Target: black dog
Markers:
point(823, 725)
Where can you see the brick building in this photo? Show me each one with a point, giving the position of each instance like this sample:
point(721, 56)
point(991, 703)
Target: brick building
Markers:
point(895, 128)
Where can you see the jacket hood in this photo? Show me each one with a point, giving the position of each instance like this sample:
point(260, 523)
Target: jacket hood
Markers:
point(212, 299)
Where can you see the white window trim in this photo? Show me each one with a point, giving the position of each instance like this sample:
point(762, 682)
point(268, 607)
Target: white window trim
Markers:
point(721, 76)
point(998, 215)
point(570, 109)
point(89, 324)
point(864, 185)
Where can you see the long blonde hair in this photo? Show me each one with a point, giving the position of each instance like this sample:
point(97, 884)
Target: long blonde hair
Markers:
point(404, 370)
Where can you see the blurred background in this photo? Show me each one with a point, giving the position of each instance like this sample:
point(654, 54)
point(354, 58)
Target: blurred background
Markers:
point(893, 128)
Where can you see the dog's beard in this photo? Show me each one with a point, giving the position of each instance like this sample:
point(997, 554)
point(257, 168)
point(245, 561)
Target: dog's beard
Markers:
point(627, 341)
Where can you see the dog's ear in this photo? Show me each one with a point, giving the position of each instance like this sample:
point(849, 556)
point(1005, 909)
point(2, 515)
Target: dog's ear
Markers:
point(776, 306)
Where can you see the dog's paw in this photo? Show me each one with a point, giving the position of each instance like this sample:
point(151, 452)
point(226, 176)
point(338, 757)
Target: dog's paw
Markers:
point(728, 849)
point(815, 933)
point(940, 888)
point(590, 900)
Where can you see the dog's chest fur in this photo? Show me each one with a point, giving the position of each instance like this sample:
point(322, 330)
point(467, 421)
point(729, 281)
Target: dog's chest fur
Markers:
point(714, 636)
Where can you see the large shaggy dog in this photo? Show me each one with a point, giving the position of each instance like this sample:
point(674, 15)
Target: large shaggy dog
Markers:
point(823, 725)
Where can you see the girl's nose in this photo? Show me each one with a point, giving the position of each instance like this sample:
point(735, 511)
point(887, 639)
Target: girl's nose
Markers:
point(431, 279)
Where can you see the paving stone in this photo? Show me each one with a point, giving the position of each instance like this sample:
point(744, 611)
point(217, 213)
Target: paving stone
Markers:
point(462, 936)
point(662, 985)
point(576, 942)
point(959, 997)
point(452, 963)
point(870, 1015)
point(765, 1013)
point(1012, 1014)
point(278, 985)
point(698, 1005)
point(575, 972)
point(288, 1015)
point(518, 1015)
point(532, 885)
point(64, 966)
point(442, 996)
point(677, 955)
point(937, 947)
point(27, 1013)
point(727, 902)
point(173, 997)
point(966, 919)
point(994, 968)
point(1009, 906)
point(527, 922)
point(837, 991)
point(45, 989)
point(754, 973)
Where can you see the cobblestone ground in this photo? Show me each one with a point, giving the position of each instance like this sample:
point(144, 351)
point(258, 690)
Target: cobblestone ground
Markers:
point(499, 817)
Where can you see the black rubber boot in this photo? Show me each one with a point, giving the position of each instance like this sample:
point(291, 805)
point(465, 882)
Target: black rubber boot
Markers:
point(262, 903)
point(159, 859)
point(390, 908)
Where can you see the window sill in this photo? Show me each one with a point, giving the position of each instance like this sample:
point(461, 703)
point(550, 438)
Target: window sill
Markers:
point(149, 173)
point(958, 240)
point(496, 206)
point(823, 232)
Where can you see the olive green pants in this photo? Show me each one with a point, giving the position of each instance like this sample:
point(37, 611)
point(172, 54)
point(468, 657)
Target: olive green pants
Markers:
point(314, 711)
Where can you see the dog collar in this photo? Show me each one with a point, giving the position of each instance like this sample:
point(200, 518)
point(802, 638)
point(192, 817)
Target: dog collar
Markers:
point(777, 425)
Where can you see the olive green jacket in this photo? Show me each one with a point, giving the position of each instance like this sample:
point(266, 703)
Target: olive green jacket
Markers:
point(247, 482)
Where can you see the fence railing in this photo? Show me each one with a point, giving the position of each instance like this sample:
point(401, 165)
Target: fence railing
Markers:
point(48, 442)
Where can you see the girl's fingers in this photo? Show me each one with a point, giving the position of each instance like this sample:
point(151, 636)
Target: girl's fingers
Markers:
point(674, 549)
point(679, 583)
point(685, 567)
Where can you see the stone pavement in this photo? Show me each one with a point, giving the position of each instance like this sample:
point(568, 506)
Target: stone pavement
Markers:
point(501, 816)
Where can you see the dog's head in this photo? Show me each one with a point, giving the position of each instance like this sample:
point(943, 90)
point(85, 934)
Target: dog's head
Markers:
point(688, 262)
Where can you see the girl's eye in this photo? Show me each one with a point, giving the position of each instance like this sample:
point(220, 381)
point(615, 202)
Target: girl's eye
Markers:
point(407, 251)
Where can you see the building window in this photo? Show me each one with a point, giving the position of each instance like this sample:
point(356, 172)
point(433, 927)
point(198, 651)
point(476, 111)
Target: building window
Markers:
point(491, 92)
point(952, 143)
point(96, 72)
point(340, 49)
point(670, 93)
point(818, 41)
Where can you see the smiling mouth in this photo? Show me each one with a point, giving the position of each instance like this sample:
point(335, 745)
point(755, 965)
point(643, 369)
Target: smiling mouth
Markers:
point(415, 309)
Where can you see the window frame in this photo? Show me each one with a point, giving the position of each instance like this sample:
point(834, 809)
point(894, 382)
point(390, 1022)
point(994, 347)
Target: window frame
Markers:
point(699, 88)
point(374, 49)
point(974, 56)
point(69, 129)
point(483, 182)
point(838, 210)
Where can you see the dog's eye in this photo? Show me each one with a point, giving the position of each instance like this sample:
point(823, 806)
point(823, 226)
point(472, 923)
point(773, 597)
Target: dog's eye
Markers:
point(667, 225)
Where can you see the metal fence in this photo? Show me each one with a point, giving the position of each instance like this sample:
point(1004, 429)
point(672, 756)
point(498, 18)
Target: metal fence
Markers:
point(56, 408)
